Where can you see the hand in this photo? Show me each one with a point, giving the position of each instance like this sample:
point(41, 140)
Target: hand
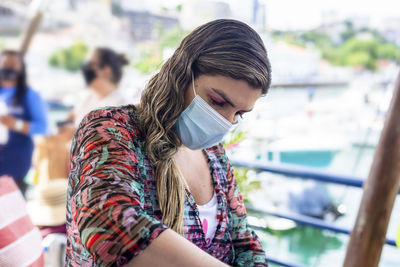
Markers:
point(66, 131)
point(8, 121)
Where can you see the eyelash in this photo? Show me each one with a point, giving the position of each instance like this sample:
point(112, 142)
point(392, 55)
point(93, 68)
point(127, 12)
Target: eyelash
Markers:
point(220, 104)
point(240, 114)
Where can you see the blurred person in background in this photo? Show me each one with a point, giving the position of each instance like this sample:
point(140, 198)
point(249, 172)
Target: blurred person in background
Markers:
point(150, 184)
point(25, 116)
point(102, 74)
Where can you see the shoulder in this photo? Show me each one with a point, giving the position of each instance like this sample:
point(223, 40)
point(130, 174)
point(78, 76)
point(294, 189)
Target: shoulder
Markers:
point(31, 93)
point(118, 122)
point(126, 114)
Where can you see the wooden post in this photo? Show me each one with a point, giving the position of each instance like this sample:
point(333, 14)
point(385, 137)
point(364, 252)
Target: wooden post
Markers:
point(33, 26)
point(380, 190)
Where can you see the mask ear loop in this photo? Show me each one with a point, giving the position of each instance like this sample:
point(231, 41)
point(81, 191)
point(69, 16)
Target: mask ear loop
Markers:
point(193, 85)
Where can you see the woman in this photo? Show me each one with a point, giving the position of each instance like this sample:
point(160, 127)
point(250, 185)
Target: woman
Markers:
point(102, 74)
point(145, 180)
point(26, 116)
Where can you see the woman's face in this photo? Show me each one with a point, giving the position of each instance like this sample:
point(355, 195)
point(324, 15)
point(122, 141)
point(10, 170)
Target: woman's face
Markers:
point(229, 97)
point(10, 62)
point(102, 73)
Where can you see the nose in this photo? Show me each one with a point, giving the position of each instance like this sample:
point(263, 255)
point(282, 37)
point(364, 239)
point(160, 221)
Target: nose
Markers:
point(229, 116)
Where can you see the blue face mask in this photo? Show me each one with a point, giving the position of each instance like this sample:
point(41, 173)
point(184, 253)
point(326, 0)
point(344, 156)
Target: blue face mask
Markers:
point(200, 126)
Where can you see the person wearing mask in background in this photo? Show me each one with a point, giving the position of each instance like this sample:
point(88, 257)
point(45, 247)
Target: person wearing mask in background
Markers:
point(26, 115)
point(150, 184)
point(102, 74)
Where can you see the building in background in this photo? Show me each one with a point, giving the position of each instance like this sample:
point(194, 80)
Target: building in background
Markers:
point(195, 13)
point(12, 18)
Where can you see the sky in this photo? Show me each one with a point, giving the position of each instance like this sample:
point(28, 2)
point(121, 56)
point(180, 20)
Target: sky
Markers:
point(293, 14)
point(305, 14)
point(300, 14)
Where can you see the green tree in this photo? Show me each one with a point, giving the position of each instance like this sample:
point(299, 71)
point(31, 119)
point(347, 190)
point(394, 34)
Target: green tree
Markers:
point(398, 237)
point(150, 59)
point(388, 51)
point(172, 37)
point(361, 52)
point(358, 48)
point(320, 40)
point(243, 176)
point(70, 58)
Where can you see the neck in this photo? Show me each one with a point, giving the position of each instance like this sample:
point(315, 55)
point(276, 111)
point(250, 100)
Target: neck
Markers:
point(104, 89)
point(8, 84)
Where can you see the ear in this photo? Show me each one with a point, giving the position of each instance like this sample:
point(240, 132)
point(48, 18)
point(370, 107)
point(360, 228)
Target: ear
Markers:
point(106, 73)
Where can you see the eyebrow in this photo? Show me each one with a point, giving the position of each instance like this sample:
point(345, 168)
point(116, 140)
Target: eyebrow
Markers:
point(226, 99)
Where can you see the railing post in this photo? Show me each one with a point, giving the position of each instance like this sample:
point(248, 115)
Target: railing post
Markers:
point(380, 190)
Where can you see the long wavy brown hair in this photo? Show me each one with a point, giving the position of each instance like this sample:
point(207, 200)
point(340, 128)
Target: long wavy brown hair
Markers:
point(221, 47)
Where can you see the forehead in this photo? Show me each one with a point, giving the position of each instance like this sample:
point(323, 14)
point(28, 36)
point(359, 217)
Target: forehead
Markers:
point(10, 61)
point(95, 57)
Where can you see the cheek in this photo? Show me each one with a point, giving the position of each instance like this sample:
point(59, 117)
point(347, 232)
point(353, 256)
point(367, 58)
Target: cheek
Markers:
point(228, 114)
point(96, 82)
point(188, 97)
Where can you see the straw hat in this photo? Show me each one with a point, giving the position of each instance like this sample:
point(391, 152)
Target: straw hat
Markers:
point(48, 206)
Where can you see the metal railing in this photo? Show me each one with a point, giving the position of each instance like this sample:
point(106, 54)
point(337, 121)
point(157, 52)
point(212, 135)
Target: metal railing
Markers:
point(303, 173)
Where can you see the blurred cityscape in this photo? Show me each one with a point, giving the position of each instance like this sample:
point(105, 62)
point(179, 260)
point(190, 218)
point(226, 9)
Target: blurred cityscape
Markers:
point(148, 31)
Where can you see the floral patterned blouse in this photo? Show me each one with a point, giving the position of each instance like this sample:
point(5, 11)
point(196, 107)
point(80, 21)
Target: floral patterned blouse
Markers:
point(112, 210)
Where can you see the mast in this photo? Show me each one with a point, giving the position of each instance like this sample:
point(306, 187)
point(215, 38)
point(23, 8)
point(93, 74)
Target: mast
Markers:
point(380, 190)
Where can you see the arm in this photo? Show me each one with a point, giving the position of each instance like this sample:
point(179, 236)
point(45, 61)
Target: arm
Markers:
point(248, 249)
point(38, 113)
point(106, 202)
point(181, 253)
point(15, 124)
point(71, 116)
point(37, 110)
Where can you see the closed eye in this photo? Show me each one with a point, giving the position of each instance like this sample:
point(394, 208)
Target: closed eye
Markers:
point(216, 102)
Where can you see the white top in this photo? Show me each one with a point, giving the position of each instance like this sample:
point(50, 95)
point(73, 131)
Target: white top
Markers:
point(208, 217)
point(92, 101)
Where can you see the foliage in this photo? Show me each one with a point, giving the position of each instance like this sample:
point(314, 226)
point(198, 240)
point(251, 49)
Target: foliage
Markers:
point(245, 182)
point(116, 8)
point(70, 58)
point(178, 8)
point(289, 38)
point(244, 176)
point(357, 48)
point(172, 37)
point(360, 52)
point(233, 139)
point(150, 59)
point(318, 39)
